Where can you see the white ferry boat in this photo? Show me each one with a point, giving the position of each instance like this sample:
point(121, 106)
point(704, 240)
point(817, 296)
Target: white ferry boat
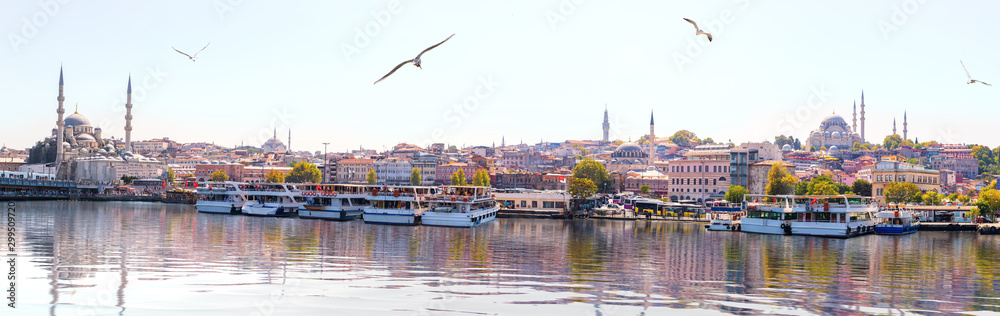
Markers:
point(272, 199)
point(334, 201)
point(221, 197)
point(896, 222)
point(461, 206)
point(813, 215)
point(723, 216)
point(399, 205)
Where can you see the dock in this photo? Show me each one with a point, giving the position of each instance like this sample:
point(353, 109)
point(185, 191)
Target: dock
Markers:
point(966, 227)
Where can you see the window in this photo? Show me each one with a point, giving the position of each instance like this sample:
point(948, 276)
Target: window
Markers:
point(534, 204)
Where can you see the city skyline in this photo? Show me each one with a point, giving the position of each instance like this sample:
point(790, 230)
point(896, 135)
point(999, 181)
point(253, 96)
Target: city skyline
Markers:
point(539, 71)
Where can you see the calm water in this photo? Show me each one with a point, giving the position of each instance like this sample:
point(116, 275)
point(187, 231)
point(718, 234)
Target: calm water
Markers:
point(82, 258)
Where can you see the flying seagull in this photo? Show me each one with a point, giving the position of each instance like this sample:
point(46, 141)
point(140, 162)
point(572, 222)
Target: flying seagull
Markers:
point(971, 81)
point(195, 54)
point(415, 61)
point(699, 31)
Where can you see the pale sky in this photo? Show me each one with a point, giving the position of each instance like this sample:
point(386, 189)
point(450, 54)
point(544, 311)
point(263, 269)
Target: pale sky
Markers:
point(525, 69)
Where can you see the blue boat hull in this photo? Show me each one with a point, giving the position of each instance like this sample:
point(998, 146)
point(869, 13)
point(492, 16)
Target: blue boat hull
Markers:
point(897, 230)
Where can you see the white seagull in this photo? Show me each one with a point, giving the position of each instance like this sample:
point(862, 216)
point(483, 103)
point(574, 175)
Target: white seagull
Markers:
point(195, 54)
point(415, 61)
point(699, 31)
point(971, 81)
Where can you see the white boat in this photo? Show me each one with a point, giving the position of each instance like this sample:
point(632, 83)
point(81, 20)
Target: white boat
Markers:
point(398, 205)
point(333, 201)
point(221, 197)
point(810, 215)
point(723, 216)
point(272, 199)
point(896, 222)
point(461, 206)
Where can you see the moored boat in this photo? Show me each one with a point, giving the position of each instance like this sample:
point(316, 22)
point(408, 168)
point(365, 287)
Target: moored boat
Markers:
point(461, 206)
point(221, 197)
point(397, 205)
point(896, 222)
point(333, 201)
point(272, 199)
point(723, 216)
point(839, 216)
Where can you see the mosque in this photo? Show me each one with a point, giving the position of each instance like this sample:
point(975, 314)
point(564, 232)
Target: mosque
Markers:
point(835, 134)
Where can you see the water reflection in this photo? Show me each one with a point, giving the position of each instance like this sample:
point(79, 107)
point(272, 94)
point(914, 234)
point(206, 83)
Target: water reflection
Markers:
point(141, 258)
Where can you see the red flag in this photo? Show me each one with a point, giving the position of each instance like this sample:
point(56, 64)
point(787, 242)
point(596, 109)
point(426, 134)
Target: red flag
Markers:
point(196, 184)
point(185, 183)
point(164, 184)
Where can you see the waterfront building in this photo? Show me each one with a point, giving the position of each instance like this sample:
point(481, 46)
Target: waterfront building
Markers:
point(354, 170)
point(740, 160)
point(765, 150)
point(100, 168)
point(444, 172)
point(702, 176)
point(427, 165)
point(393, 171)
point(658, 182)
point(524, 180)
point(258, 174)
point(533, 200)
point(895, 169)
point(203, 171)
point(959, 160)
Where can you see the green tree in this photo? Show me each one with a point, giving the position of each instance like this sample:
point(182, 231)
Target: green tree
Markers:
point(170, 175)
point(913, 161)
point(481, 178)
point(304, 172)
point(989, 203)
point(735, 194)
point(892, 141)
point(931, 198)
point(822, 185)
point(415, 177)
point(708, 140)
point(901, 192)
point(862, 187)
point(644, 189)
point(371, 179)
point(683, 138)
point(581, 188)
point(953, 197)
point(779, 181)
point(219, 176)
point(274, 176)
point(594, 171)
point(801, 188)
point(128, 179)
point(856, 147)
point(458, 178)
point(963, 198)
point(43, 152)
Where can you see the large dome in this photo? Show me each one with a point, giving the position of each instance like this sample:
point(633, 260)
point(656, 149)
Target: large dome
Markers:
point(628, 147)
point(76, 119)
point(273, 145)
point(834, 118)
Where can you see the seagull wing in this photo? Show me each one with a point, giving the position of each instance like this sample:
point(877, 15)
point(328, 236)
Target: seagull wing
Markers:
point(966, 70)
point(203, 48)
point(182, 53)
point(435, 45)
point(692, 23)
point(394, 70)
point(706, 34)
point(985, 83)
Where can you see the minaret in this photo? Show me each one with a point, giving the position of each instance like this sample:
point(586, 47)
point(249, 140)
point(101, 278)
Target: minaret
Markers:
point(606, 125)
point(651, 140)
point(863, 117)
point(289, 147)
point(854, 125)
point(128, 116)
point(59, 122)
point(904, 125)
point(894, 126)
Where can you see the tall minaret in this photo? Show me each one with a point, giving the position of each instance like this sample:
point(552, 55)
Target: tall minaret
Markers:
point(289, 147)
point(904, 125)
point(59, 122)
point(128, 116)
point(854, 125)
point(863, 116)
point(894, 126)
point(651, 140)
point(606, 125)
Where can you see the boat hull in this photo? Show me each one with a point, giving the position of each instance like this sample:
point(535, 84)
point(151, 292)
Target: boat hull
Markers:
point(728, 226)
point(471, 219)
point(391, 219)
point(217, 208)
point(268, 210)
point(337, 215)
point(896, 229)
point(762, 226)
